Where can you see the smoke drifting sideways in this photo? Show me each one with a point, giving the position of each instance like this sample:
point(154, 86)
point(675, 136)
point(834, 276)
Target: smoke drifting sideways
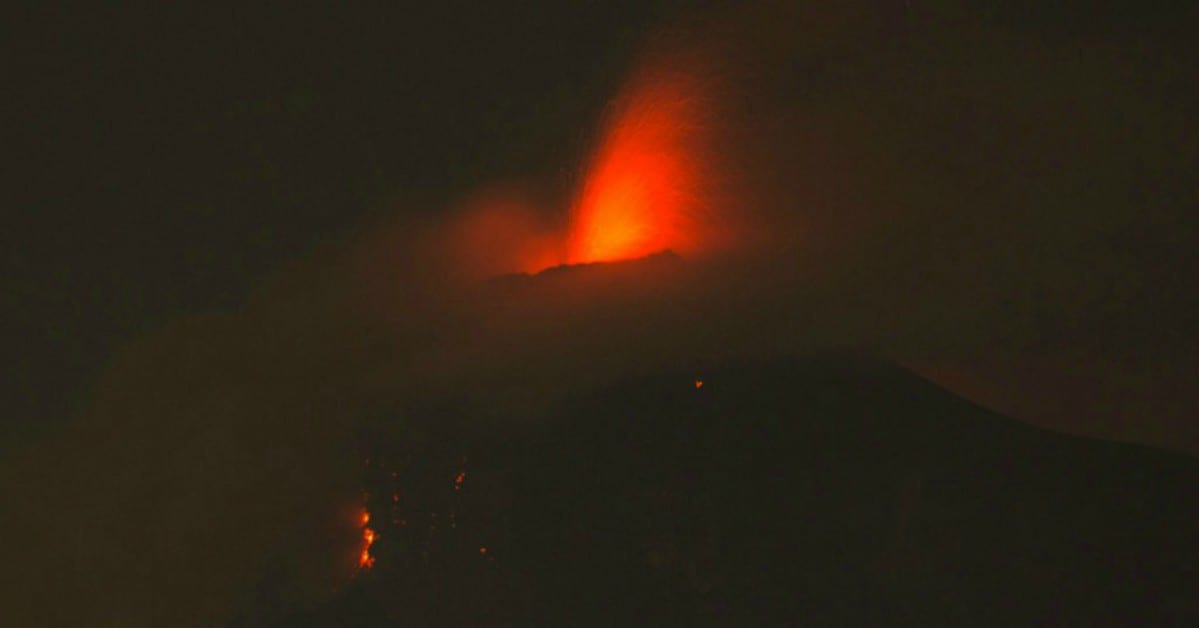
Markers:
point(1007, 213)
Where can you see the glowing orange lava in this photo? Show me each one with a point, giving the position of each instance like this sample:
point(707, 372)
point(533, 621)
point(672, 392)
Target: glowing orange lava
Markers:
point(641, 192)
point(365, 560)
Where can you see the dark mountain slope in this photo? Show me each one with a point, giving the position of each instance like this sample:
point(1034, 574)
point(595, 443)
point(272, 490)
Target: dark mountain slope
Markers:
point(849, 491)
point(823, 491)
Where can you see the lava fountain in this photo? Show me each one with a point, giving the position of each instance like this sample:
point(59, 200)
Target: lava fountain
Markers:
point(647, 186)
point(650, 183)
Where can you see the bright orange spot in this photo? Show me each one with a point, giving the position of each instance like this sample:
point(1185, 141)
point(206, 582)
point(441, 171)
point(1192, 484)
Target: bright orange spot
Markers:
point(642, 191)
point(365, 560)
point(482, 550)
point(459, 479)
point(699, 383)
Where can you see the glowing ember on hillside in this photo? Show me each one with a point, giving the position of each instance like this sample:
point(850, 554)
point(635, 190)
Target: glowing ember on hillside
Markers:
point(365, 560)
point(641, 191)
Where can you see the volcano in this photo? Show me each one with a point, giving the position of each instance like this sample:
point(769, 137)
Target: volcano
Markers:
point(828, 490)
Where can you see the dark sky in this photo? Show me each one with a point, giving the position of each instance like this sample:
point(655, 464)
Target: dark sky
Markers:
point(167, 156)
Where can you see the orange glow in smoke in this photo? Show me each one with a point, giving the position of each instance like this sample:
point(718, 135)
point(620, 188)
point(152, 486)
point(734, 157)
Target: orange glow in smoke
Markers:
point(641, 192)
point(500, 231)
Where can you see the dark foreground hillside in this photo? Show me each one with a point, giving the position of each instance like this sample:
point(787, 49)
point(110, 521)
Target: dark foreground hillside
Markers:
point(826, 492)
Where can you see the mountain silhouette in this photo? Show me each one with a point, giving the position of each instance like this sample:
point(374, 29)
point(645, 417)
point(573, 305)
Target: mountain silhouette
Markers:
point(829, 490)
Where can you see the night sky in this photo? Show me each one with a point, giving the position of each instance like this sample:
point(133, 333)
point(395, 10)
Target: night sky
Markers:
point(168, 157)
point(212, 209)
